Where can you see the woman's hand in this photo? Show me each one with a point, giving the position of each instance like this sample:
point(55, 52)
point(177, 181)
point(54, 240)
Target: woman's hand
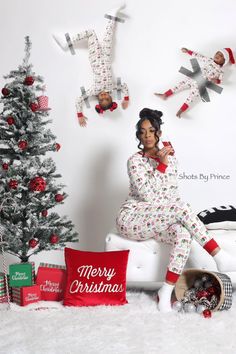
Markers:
point(184, 50)
point(163, 154)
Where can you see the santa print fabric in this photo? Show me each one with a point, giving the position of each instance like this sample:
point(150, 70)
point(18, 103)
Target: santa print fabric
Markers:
point(95, 278)
point(222, 217)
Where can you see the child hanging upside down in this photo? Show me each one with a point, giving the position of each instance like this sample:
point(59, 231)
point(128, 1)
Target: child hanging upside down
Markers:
point(154, 208)
point(100, 56)
point(212, 71)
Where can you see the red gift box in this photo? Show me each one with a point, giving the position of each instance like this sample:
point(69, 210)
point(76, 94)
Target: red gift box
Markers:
point(52, 281)
point(26, 295)
point(3, 288)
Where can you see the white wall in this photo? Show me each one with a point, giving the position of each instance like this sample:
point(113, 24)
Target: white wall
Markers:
point(147, 56)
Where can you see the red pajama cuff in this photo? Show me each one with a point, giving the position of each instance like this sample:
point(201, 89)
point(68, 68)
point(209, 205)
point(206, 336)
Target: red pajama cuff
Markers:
point(162, 167)
point(171, 276)
point(126, 98)
point(190, 52)
point(210, 246)
point(184, 107)
point(168, 93)
point(80, 115)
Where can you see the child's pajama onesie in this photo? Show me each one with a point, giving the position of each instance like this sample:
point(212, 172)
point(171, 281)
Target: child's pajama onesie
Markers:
point(210, 71)
point(155, 210)
point(100, 56)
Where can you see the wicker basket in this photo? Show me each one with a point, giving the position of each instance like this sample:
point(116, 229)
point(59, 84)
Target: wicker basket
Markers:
point(188, 277)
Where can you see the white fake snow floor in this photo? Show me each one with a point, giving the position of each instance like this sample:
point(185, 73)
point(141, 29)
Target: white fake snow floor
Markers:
point(137, 328)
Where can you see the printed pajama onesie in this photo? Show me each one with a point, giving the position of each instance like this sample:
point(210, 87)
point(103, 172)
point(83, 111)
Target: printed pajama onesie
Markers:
point(155, 210)
point(210, 71)
point(100, 57)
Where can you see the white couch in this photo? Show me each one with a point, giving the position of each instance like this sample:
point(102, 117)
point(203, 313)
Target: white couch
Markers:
point(148, 259)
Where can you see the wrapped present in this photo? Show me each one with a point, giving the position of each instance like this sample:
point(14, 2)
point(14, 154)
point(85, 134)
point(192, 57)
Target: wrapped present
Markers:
point(52, 279)
point(22, 274)
point(3, 288)
point(26, 295)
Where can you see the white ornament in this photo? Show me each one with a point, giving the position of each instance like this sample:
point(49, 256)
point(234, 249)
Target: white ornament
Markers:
point(197, 283)
point(208, 284)
point(190, 308)
point(200, 308)
point(177, 306)
point(205, 277)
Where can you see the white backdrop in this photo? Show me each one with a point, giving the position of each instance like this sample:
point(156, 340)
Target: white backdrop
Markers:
point(147, 56)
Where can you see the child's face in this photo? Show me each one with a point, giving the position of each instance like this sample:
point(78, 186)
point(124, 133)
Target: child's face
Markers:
point(104, 99)
point(219, 58)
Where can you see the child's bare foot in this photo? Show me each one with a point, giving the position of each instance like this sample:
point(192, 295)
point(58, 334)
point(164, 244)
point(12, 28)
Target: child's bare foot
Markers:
point(178, 114)
point(161, 95)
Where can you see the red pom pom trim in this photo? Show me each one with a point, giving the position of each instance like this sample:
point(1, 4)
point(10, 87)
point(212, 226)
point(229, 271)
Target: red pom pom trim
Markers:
point(114, 106)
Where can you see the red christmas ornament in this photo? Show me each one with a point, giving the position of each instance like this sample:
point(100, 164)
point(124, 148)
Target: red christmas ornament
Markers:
point(22, 144)
point(211, 290)
point(44, 213)
point(57, 146)
point(13, 184)
point(202, 293)
point(10, 120)
point(207, 313)
point(34, 107)
point(37, 184)
point(29, 80)
point(5, 91)
point(5, 166)
point(54, 239)
point(59, 198)
point(33, 243)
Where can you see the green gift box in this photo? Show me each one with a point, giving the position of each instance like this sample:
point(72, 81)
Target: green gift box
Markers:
point(21, 274)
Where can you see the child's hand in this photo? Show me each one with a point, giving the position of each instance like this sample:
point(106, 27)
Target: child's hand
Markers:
point(82, 121)
point(124, 104)
point(215, 81)
point(184, 50)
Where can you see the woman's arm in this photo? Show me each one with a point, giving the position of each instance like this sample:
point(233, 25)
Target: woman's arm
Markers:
point(147, 183)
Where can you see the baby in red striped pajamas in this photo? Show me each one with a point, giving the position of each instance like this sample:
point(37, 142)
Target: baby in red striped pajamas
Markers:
point(154, 208)
point(211, 69)
point(100, 57)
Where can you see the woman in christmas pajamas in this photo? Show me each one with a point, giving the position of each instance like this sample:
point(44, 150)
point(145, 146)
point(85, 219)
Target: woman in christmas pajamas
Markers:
point(154, 208)
point(100, 56)
point(212, 71)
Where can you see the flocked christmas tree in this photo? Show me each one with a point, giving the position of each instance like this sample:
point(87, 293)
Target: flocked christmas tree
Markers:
point(28, 186)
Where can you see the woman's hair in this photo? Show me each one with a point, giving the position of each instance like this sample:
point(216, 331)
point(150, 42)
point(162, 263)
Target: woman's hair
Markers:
point(154, 118)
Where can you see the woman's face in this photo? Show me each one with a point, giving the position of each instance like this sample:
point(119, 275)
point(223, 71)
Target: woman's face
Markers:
point(148, 135)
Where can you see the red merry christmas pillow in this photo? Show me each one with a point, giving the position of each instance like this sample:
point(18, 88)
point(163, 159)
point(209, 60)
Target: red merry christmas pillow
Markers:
point(95, 278)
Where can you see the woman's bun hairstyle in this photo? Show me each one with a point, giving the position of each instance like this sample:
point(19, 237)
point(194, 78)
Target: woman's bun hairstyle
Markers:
point(150, 113)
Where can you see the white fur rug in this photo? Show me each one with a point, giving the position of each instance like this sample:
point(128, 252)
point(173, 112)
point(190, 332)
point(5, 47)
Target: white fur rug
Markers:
point(136, 328)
